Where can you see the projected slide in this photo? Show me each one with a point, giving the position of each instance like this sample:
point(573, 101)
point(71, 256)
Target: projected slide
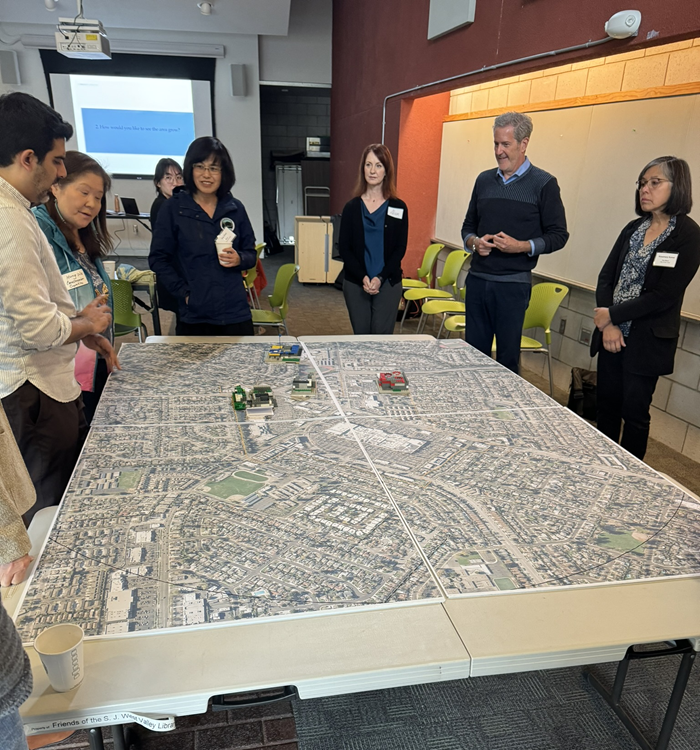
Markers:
point(125, 131)
point(129, 123)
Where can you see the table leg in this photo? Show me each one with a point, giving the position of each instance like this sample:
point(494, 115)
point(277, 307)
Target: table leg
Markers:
point(119, 737)
point(95, 738)
point(612, 697)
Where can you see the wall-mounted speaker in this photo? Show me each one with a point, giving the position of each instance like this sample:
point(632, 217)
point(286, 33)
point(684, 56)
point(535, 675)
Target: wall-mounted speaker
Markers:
point(9, 67)
point(238, 81)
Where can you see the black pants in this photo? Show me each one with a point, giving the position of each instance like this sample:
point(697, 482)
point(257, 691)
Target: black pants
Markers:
point(92, 398)
point(244, 328)
point(50, 435)
point(496, 309)
point(624, 396)
point(372, 313)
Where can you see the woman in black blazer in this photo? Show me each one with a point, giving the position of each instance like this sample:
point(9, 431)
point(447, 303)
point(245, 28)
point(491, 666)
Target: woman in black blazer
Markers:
point(373, 237)
point(639, 296)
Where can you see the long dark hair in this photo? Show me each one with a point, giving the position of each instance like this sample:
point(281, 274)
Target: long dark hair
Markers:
point(95, 237)
point(389, 183)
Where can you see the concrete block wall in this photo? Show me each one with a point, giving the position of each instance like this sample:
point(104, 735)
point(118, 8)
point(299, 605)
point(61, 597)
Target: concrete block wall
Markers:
point(663, 65)
point(675, 413)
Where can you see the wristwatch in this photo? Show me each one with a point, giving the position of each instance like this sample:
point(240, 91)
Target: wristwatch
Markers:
point(474, 239)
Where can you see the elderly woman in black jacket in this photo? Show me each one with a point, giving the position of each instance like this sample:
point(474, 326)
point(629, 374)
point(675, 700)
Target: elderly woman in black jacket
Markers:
point(639, 296)
point(373, 237)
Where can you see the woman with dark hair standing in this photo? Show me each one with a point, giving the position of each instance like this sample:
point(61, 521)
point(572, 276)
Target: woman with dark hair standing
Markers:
point(168, 176)
point(208, 285)
point(373, 237)
point(74, 222)
point(639, 296)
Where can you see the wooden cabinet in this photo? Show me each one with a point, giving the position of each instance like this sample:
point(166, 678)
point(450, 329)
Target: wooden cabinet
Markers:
point(313, 244)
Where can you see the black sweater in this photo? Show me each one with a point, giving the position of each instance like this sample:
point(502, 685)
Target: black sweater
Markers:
point(528, 208)
point(352, 241)
point(656, 313)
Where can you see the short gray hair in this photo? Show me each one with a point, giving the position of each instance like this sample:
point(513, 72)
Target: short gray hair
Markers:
point(521, 124)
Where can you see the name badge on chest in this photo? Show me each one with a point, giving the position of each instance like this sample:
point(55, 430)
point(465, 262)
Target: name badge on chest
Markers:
point(665, 260)
point(396, 213)
point(74, 279)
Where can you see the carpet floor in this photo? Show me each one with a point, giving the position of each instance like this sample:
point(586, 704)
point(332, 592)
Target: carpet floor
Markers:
point(545, 710)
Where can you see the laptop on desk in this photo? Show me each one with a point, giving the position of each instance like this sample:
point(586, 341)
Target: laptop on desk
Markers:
point(129, 206)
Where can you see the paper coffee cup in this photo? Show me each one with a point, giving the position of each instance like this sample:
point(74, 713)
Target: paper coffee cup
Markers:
point(60, 649)
point(222, 245)
point(110, 267)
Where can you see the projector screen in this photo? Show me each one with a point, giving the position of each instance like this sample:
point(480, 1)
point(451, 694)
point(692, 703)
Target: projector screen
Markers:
point(127, 123)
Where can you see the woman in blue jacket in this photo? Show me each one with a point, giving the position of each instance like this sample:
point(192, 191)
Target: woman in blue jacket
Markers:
point(74, 222)
point(208, 284)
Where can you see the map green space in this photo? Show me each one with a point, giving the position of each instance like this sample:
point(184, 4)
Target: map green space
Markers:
point(239, 483)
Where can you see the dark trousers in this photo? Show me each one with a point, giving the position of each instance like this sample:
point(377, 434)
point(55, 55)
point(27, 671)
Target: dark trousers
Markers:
point(496, 308)
point(92, 398)
point(244, 328)
point(624, 396)
point(372, 313)
point(50, 435)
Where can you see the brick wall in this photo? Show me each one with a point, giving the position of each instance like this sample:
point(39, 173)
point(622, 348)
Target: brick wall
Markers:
point(665, 65)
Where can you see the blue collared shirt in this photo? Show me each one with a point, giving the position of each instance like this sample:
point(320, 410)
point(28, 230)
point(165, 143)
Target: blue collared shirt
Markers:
point(519, 172)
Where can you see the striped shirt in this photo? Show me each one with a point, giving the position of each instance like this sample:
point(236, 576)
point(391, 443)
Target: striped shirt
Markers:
point(35, 307)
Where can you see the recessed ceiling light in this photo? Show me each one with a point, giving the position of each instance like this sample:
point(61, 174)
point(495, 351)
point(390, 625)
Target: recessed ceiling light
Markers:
point(50, 4)
point(205, 8)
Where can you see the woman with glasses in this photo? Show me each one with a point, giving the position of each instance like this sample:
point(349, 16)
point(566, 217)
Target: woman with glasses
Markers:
point(206, 280)
point(639, 296)
point(168, 176)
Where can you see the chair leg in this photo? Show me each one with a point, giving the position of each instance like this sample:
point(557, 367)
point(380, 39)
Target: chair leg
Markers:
point(442, 324)
point(403, 317)
point(286, 332)
point(551, 382)
point(421, 322)
point(257, 299)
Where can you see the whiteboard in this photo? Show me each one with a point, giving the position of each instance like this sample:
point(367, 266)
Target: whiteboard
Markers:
point(596, 154)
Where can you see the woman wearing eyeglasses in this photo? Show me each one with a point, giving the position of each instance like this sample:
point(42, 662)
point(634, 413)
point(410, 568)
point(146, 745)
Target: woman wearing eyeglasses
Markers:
point(168, 176)
point(639, 296)
point(208, 284)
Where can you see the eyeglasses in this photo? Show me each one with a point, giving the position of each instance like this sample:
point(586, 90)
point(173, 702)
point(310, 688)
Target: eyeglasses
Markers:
point(211, 168)
point(172, 177)
point(653, 183)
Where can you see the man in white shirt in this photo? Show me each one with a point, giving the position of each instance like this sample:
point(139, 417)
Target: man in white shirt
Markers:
point(39, 325)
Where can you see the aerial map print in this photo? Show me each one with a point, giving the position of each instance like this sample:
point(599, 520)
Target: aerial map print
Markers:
point(182, 512)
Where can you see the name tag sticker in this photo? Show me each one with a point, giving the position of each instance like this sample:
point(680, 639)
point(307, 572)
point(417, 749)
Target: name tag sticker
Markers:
point(74, 279)
point(397, 213)
point(665, 260)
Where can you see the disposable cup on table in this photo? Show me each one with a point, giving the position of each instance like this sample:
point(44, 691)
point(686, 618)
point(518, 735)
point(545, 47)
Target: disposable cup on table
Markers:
point(110, 267)
point(60, 649)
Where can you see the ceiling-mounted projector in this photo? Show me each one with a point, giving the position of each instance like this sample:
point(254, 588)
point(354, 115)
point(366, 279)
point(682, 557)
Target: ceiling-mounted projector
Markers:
point(82, 38)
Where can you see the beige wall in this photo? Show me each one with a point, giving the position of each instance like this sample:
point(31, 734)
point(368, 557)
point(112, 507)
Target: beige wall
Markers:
point(665, 65)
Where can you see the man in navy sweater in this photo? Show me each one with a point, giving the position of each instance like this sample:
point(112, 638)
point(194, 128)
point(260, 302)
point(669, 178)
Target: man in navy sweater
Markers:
point(515, 214)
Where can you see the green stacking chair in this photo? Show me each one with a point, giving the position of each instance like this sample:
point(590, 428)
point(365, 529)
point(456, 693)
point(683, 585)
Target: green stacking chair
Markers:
point(425, 272)
point(545, 299)
point(125, 319)
point(278, 300)
point(455, 323)
point(450, 273)
point(442, 307)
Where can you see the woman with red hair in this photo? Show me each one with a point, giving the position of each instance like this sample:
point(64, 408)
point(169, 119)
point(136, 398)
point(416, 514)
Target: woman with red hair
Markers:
point(373, 237)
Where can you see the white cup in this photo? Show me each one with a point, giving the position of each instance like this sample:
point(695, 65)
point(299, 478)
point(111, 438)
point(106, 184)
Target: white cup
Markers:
point(110, 267)
point(223, 245)
point(60, 649)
